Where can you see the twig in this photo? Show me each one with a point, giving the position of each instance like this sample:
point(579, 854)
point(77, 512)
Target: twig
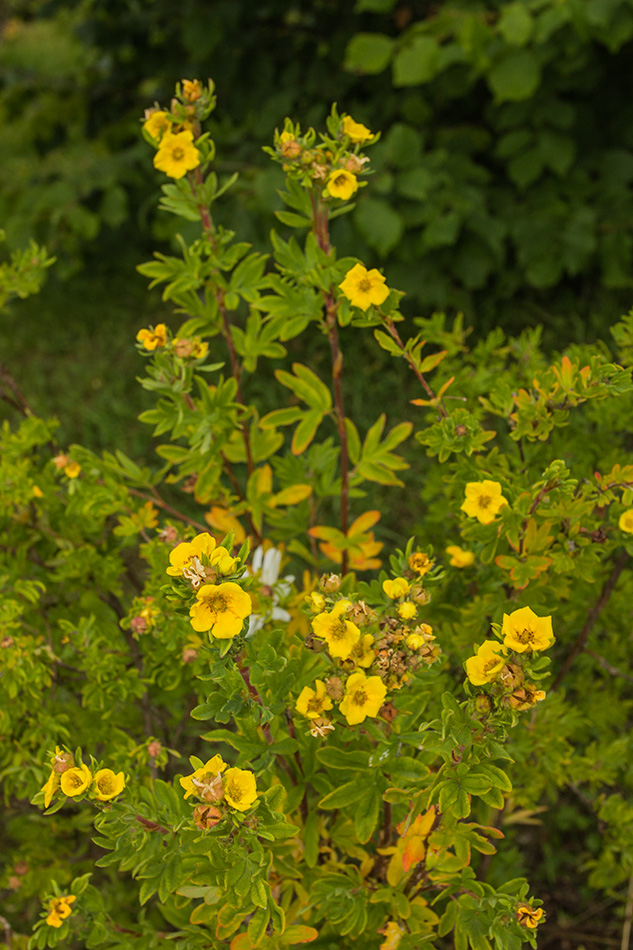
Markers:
point(610, 669)
point(337, 367)
point(16, 399)
point(6, 926)
point(594, 613)
point(396, 337)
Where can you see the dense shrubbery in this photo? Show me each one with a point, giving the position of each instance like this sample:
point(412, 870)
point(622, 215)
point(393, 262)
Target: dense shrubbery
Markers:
point(386, 756)
point(506, 163)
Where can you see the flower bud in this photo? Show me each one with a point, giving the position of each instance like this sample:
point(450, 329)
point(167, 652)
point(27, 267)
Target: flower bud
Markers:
point(388, 711)
point(138, 625)
point(189, 654)
point(334, 686)
point(169, 534)
point(330, 583)
point(6, 642)
point(321, 726)
point(154, 748)
point(63, 761)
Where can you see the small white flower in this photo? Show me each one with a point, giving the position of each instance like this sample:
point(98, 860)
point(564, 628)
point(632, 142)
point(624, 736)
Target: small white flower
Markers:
point(267, 565)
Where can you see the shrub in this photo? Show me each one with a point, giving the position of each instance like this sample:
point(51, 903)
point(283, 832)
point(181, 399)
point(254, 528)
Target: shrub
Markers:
point(352, 783)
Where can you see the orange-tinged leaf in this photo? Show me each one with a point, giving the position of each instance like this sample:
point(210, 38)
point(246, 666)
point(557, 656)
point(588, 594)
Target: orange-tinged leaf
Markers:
point(298, 933)
point(445, 387)
point(430, 362)
point(327, 534)
point(241, 942)
point(292, 495)
point(414, 852)
point(364, 523)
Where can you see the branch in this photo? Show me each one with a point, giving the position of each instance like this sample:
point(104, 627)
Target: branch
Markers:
point(594, 613)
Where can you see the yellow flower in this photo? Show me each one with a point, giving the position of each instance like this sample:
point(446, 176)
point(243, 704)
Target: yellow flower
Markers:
point(406, 610)
point(186, 559)
point(108, 785)
point(357, 132)
point(58, 909)
point(221, 609)
point(37, 491)
point(50, 787)
point(420, 563)
point(529, 916)
point(191, 89)
point(364, 695)
point(626, 521)
point(339, 634)
point(177, 154)
point(157, 124)
point(313, 702)
point(396, 588)
point(200, 349)
point(364, 287)
point(239, 789)
point(342, 184)
point(72, 470)
point(483, 500)
point(459, 557)
point(75, 781)
point(362, 653)
point(205, 782)
point(523, 630)
point(153, 338)
point(487, 663)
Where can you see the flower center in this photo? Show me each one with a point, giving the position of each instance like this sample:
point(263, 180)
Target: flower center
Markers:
point(364, 285)
point(359, 698)
point(216, 603)
point(524, 636)
point(339, 630)
point(106, 785)
point(178, 154)
point(314, 705)
point(484, 501)
point(235, 792)
point(340, 180)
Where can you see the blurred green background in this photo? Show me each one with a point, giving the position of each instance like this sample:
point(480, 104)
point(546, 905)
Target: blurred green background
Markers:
point(502, 185)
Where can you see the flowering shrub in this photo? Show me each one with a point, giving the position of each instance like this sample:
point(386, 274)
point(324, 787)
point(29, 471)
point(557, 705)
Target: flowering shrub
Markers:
point(381, 721)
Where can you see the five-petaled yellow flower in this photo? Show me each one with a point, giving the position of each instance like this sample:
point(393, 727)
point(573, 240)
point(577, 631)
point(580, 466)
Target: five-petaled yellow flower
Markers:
point(340, 634)
point(364, 695)
point(75, 781)
point(153, 338)
point(58, 909)
point(522, 630)
point(239, 788)
point(221, 609)
point(313, 702)
point(396, 588)
point(342, 184)
point(72, 470)
point(626, 521)
point(483, 500)
point(177, 154)
point(420, 563)
point(206, 782)
point(186, 559)
point(487, 663)
point(364, 287)
point(529, 916)
point(459, 557)
point(157, 124)
point(108, 785)
point(357, 132)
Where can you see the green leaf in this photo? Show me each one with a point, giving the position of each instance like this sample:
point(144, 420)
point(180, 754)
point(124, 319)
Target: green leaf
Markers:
point(305, 431)
point(368, 53)
point(379, 224)
point(416, 62)
point(515, 76)
point(334, 758)
point(344, 795)
point(366, 814)
point(516, 23)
